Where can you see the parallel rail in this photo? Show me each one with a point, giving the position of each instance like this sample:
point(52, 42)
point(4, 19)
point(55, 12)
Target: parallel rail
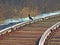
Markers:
point(47, 32)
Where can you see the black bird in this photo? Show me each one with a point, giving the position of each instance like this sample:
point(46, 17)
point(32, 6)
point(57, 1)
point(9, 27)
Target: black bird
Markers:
point(30, 17)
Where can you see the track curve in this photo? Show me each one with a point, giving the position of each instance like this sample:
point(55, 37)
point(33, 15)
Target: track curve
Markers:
point(29, 34)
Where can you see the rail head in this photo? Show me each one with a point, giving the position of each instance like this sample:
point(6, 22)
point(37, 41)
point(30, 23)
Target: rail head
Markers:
point(3, 31)
point(14, 27)
point(47, 32)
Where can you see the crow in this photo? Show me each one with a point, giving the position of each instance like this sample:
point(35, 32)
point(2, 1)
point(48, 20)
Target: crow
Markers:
point(30, 17)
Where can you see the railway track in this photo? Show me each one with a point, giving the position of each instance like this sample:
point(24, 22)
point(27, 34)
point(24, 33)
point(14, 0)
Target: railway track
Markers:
point(29, 34)
point(55, 38)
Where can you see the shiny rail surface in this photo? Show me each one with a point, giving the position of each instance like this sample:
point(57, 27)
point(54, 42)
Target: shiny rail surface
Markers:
point(47, 32)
